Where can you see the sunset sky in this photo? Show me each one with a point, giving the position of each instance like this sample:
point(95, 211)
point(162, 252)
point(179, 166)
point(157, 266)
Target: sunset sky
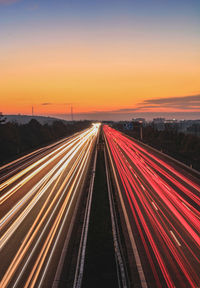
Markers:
point(111, 59)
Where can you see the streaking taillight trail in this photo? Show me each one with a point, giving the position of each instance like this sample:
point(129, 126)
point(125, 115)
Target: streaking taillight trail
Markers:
point(163, 204)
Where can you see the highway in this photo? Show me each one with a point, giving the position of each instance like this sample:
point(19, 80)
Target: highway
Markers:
point(38, 195)
point(161, 208)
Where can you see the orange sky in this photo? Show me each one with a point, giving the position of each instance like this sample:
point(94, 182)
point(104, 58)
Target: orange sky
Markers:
point(95, 69)
point(93, 80)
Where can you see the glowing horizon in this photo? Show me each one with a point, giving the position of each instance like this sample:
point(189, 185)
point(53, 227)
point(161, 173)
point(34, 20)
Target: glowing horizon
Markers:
point(100, 57)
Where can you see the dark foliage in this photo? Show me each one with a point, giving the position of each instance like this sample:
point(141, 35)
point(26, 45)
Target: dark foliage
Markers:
point(2, 118)
point(16, 139)
point(183, 147)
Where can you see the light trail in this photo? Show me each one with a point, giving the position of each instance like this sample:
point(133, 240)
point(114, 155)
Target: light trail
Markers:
point(163, 204)
point(58, 152)
point(38, 222)
point(46, 181)
point(50, 179)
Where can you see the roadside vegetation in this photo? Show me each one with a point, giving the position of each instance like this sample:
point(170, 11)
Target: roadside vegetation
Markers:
point(183, 147)
point(17, 139)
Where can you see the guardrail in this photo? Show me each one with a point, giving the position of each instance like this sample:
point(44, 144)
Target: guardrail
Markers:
point(166, 156)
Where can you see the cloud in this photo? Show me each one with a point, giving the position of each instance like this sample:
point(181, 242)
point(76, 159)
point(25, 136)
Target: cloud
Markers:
point(125, 110)
point(8, 2)
point(185, 107)
point(46, 103)
point(178, 103)
point(182, 103)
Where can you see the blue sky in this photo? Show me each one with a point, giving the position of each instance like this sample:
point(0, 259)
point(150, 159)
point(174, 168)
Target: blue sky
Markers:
point(97, 11)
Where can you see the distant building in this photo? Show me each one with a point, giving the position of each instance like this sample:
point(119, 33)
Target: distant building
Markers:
point(158, 120)
point(141, 120)
point(171, 121)
point(159, 124)
point(172, 124)
point(183, 126)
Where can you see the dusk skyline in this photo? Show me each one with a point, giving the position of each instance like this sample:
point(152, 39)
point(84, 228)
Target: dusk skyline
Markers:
point(109, 58)
point(99, 143)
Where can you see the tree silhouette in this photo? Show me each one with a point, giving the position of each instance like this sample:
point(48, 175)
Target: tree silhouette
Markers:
point(18, 139)
point(2, 118)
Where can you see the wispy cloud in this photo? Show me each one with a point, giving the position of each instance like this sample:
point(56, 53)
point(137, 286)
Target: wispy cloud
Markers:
point(125, 110)
point(185, 102)
point(46, 103)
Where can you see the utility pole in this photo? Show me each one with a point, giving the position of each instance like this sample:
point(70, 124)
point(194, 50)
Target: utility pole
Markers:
point(32, 110)
point(72, 112)
point(70, 105)
point(66, 112)
point(141, 134)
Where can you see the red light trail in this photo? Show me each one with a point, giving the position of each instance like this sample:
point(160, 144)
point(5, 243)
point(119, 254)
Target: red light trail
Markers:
point(163, 203)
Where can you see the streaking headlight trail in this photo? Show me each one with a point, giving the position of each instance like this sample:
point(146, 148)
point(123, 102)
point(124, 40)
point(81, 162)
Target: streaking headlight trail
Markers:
point(37, 204)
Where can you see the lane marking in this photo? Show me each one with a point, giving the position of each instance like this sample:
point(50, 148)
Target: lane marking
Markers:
point(154, 205)
point(190, 210)
point(166, 186)
point(179, 244)
point(116, 237)
point(131, 237)
point(186, 206)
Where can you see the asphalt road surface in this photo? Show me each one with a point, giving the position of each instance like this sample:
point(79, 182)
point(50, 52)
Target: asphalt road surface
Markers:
point(38, 194)
point(161, 209)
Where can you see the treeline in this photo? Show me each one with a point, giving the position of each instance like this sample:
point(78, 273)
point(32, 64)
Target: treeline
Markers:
point(183, 147)
point(17, 139)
